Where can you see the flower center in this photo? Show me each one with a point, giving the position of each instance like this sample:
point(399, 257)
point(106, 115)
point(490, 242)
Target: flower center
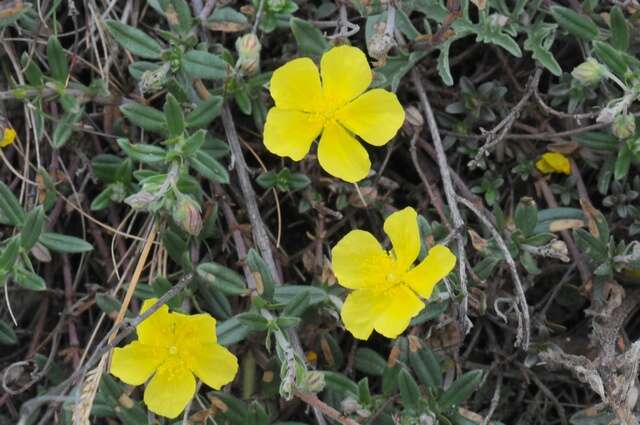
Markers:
point(393, 278)
point(173, 350)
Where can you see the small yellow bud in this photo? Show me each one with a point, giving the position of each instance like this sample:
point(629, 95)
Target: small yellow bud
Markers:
point(8, 137)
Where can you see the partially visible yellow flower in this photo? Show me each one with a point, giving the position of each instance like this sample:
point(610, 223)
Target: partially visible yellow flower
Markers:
point(8, 137)
point(173, 347)
point(553, 162)
point(338, 108)
point(386, 285)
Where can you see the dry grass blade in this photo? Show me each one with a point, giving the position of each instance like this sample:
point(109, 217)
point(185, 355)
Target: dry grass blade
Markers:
point(82, 409)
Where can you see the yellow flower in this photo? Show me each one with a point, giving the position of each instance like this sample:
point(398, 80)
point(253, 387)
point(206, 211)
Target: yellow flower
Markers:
point(553, 162)
point(8, 137)
point(173, 347)
point(386, 285)
point(337, 108)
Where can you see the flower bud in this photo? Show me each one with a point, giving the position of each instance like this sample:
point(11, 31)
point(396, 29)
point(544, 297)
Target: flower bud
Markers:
point(186, 213)
point(153, 80)
point(8, 136)
point(624, 126)
point(413, 116)
point(589, 72)
point(248, 48)
point(140, 200)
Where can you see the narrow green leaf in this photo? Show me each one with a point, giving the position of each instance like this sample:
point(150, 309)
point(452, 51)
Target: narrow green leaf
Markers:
point(144, 116)
point(209, 167)
point(611, 57)
point(57, 58)
point(222, 278)
point(204, 113)
point(369, 362)
point(10, 206)
point(231, 331)
point(7, 334)
point(201, 64)
point(426, 367)
point(33, 225)
point(64, 129)
point(173, 116)
point(134, 40)
point(29, 280)
point(309, 39)
point(623, 163)
point(526, 216)
point(253, 321)
point(460, 389)
point(619, 29)
point(409, 391)
point(64, 243)
point(142, 152)
point(267, 283)
point(578, 25)
point(9, 255)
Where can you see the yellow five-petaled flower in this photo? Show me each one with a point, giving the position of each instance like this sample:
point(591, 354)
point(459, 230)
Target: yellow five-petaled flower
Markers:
point(338, 108)
point(8, 136)
point(553, 162)
point(173, 347)
point(387, 287)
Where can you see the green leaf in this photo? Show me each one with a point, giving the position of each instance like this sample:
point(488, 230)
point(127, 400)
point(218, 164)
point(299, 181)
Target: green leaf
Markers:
point(597, 140)
point(193, 143)
point(173, 116)
point(201, 64)
point(231, 331)
point(134, 40)
point(590, 245)
point(426, 367)
point(64, 243)
point(57, 58)
point(64, 129)
point(619, 29)
point(204, 113)
point(142, 152)
point(209, 167)
point(9, 255)
point(285, 322)
point(144, 116)
point(285, 294)
point(623, 162)
point(578, 25)
point(611, 57)
point(298, 305)
point(253, 321)
point(266, 282)
point(539, 43)
point(33, 225)
point(309, 39)
point(409, 391)
point(222, 278)
point(460, 389)
point(31, 70)
point(369, 362)
point(444, 70)
point(28, 279)
point(10, 206)
point(526, 216)
point(7, 334)
point(340, 383)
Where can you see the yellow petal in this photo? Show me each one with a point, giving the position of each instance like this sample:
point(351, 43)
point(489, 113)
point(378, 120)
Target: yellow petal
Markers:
point(345, 74)
point(402, 229)
point(213, 364)
point(296, 85)
point(553, 162)
point(134, 363)
point(290, 133)
point(170, 390)
point(359, 261)
point(8, 137)
point(438, 263)
point(341, 155)
point(376, 116)
point(157, 329)
point(360, 311)
point(197, 328)
point(401, 304)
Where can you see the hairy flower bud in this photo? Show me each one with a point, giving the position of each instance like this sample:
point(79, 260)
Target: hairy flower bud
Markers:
point(186, 213)
point(624, 126)
point(589, 72)
point(248, 47)
point(140, 200)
